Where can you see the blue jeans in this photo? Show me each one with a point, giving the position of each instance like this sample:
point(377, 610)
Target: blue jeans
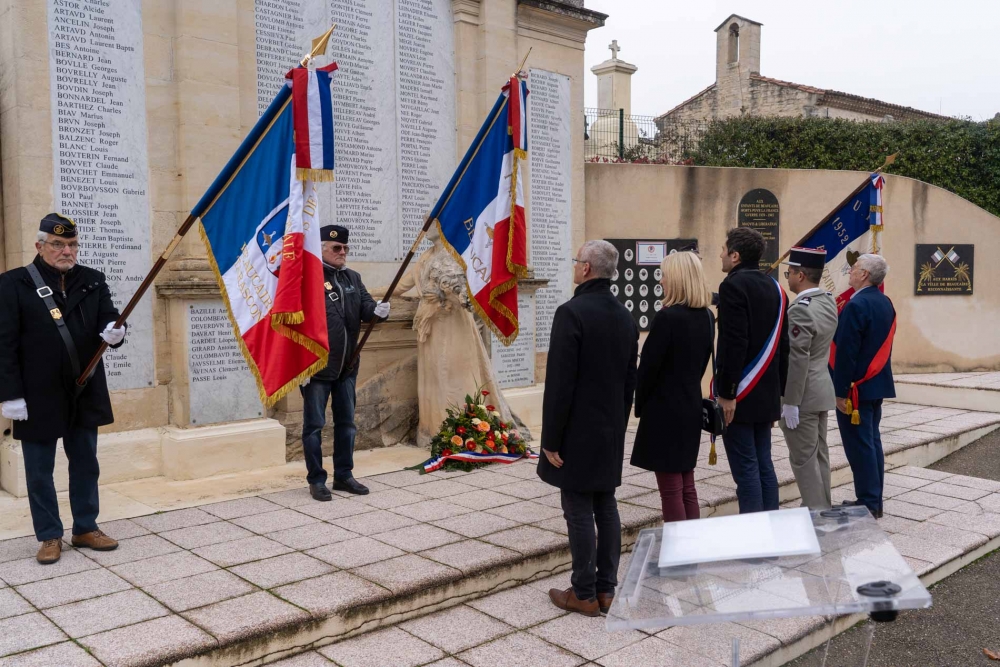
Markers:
point(595, 557)
point(863, 447)
point(315, 396)
point(80, 445)
point(748, 448)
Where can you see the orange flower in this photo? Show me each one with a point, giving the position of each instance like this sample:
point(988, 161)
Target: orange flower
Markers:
point(503, 449)
point(482, 427)
point(490, 445)
point(456, 440)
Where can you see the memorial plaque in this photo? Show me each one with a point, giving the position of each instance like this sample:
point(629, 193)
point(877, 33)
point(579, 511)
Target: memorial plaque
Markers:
point(944, 269)
point(393, 103)
point(100, 158)
point(515, 364)
point(550, 195)
point(636, 283)
point(759, 210)
point(222, 389)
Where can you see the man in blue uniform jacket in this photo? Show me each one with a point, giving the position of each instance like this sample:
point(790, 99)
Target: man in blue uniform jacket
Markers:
point(862, 377)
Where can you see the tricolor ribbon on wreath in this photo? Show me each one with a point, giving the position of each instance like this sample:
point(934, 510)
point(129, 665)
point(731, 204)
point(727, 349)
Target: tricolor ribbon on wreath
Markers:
point(438, 462)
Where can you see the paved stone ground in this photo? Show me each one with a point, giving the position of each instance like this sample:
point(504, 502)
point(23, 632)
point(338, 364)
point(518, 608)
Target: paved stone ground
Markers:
point(977, 380)
point(201, 578)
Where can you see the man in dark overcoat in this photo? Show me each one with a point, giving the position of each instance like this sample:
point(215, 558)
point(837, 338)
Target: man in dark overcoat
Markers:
point(348, 304)
point(862, 377)
point(38, 379)
point(752, 367)
point(589, 384)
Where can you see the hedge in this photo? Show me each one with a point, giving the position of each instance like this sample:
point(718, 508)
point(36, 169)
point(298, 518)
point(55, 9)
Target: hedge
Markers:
point(959, 155)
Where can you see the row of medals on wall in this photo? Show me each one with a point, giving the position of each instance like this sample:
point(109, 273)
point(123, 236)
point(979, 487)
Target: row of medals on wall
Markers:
point(643, 290)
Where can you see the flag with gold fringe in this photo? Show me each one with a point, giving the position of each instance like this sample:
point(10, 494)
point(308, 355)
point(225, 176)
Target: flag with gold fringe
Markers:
point(312, 111)
point(481, 212)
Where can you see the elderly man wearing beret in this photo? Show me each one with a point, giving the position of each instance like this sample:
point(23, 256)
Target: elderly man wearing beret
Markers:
point(54, 314)
point(348, 304)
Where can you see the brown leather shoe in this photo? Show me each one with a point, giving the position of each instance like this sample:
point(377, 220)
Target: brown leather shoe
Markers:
point(604, 601)
point(567, 600)
point(95, 540)
point(49, 552)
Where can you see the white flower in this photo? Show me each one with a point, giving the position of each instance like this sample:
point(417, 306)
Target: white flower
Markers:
point(496, 414)
point(506, 434)
point(475, 421)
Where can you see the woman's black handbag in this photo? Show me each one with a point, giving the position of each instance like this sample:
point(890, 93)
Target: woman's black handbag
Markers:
point(713, 420)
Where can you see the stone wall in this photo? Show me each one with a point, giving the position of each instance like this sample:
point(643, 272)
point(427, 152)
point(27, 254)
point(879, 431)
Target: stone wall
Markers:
point(936, 333)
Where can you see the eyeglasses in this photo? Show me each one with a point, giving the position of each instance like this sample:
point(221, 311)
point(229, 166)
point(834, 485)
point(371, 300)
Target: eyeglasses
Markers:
point(786, 274)
point(579, 261)
point(59, 246)
point(339, 248)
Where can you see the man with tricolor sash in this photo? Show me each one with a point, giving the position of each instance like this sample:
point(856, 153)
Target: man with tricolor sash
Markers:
point(862, 376)
point(752, 367)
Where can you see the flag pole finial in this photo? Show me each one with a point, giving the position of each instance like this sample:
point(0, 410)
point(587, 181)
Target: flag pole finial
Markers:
point(521, 66)
point(888, 161)
point(319, 45)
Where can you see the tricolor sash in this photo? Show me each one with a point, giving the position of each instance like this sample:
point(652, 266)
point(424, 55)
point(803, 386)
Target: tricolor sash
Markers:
point(755, 369)
point(879, 361)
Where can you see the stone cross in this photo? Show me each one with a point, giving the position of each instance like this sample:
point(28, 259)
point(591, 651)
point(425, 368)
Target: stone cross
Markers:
point(614, 49)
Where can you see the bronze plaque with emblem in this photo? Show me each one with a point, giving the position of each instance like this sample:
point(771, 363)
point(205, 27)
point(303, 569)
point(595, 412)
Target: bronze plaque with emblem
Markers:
point(636, 283)
point(943, 269)
point(758, 210)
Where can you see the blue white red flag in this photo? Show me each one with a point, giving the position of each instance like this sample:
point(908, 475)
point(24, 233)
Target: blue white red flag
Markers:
point(312, 110)
point(260, 226)
point(481, 212)
point(853, 230)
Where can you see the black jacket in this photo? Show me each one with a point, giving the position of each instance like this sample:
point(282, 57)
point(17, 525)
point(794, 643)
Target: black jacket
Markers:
point(668, 394)
point(34, 363)
point(748, 310)
point(348, 304)
point(589, 383)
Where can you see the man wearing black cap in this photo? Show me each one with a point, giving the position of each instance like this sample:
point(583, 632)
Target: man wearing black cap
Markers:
point(348, 304)
point(812, 322)
point(53, 315)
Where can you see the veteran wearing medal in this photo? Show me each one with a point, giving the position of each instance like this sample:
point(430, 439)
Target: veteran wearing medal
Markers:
point(808, 396)
point(348, 304)
point(54, 314)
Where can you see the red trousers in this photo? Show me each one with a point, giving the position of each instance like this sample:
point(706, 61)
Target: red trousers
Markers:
point(678, 496)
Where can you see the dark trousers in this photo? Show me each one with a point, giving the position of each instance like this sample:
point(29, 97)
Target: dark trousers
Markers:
point(80, 445)
point(595, 557)
point(748, 448)
point(863, 447)
point(678, 497)
point(315, 397)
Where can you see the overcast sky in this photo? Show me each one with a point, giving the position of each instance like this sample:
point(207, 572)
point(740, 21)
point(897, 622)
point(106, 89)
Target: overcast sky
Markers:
point(936, 55)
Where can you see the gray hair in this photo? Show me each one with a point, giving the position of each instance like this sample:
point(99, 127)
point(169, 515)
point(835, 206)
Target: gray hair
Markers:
point(42, 237)
point(875, 265)
point(602, 257)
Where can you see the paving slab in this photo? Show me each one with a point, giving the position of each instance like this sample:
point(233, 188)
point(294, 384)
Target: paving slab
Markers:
point(19, 548)
point(200, 590)
point(134, 548)
point(157, 570)
point(418, 537)
point(521, 607)
point(521, 650)
point(384, 648)
point(27, 631)
point(585, 636)
point(270, 522)
point(476, 524)
point(457, 629)
point(472, 556)
point(72, 588)
point(66, 654)
point(311, 659)
point(332, 593)
point(122, 529)
point(105, 613)
point(355, 553)
point(407, 574)
point(714, 641)
point(155, 642)
point(242, 551)
point(164, 521)
point(234, 509)
point(12, 604)
point(525, 512)
point(390, 498)
point(257, 614)
point(281, 570)
point(429, 509)
point(206, 534)
point(311, 536)
point(373, 523)
point(527, 540)
point(27, 570)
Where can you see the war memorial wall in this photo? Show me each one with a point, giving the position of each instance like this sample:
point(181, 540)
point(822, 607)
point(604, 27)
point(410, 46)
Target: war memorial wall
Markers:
point(120, 113)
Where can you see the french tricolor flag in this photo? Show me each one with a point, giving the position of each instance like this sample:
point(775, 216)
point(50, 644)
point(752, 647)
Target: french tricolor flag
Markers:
point(481, 212)
point(312, 109)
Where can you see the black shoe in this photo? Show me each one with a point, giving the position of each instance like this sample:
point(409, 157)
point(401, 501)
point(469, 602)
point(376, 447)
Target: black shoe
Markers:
point(320, 492)
point(350, 485)
point(876, 514)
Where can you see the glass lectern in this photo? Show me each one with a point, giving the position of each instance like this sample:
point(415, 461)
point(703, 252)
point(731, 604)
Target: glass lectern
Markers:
point(856, 569)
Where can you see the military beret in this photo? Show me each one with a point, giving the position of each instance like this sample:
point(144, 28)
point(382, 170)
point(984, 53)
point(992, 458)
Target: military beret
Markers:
point(333, 233)
point(58, 225)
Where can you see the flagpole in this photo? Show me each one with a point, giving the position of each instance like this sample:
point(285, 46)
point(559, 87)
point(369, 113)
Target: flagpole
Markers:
point(406, 260)
point(888, 161)
point(318, 47)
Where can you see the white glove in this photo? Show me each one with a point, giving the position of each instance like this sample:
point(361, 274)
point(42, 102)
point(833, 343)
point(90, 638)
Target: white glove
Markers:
point(111, 335)
point(790, 413)
point(16, 409)
point(382, 310)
